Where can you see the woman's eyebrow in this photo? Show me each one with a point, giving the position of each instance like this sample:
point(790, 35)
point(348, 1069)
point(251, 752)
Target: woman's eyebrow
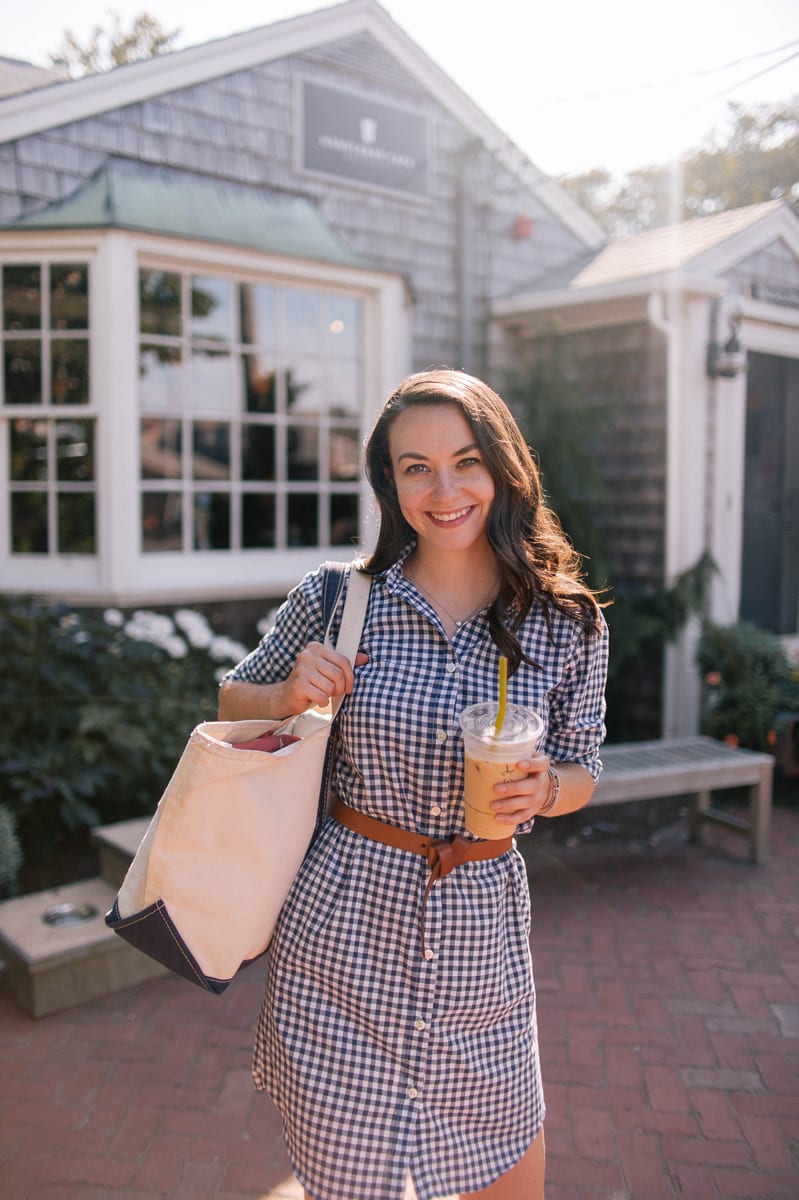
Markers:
point(423, 457)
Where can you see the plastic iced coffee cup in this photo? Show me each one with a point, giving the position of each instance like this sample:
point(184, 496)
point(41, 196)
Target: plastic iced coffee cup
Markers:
point(491, 759)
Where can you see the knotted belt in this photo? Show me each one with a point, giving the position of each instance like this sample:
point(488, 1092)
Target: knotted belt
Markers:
point(442, 855)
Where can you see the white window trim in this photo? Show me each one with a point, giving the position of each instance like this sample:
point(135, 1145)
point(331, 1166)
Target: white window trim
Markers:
point(120, 573)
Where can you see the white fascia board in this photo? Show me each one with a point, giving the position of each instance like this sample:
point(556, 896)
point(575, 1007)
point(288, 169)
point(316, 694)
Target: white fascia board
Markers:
point(519, 305)
point(50, 107)
point(781, 224)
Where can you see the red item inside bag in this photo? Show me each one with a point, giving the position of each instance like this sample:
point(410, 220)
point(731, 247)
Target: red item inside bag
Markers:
point(268, 742)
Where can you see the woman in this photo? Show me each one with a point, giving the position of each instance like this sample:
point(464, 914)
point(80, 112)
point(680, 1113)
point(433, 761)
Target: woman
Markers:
point(398, 1031)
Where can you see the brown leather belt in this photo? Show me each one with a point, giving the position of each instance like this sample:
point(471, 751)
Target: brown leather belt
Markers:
point(442, 856)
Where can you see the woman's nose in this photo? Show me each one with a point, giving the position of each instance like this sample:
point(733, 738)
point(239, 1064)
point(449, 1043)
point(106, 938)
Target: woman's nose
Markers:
point(445, 484)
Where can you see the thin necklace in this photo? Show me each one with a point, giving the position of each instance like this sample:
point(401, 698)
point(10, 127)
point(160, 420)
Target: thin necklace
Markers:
point(442, 607)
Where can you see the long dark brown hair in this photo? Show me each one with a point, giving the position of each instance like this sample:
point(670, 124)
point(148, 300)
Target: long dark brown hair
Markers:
point(536, 561)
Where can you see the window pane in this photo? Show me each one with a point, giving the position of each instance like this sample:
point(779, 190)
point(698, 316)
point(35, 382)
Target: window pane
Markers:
point(302, 330)
point(259, 315)
point(162, 521)
point(212, 521)
point(22, 297)
point(345, 448)
point(70, 367)
point(303, 452)
point(344, 522)
point(259, 383)
point(257, 452)
point(160, 379)
point(211, 450)
point(304, 393)
point(257, 521)
point(303, 520)
point(343, 326)
point(159, 303)
point(29, 522)
point(341, 389)
point(76, 523)
point(22, 367)
point(211, 308)
point(161, 449)
point(210, 384)
point(69, 296)
point(74, 451)
point(27, 451)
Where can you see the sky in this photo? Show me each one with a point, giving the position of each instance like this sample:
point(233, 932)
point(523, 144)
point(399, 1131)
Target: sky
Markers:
point(576, 84)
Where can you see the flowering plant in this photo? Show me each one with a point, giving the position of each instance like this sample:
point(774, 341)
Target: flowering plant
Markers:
point(95, 709)
point(746, 681)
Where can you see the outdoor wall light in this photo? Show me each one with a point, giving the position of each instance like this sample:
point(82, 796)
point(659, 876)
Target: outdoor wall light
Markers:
point(728, 359)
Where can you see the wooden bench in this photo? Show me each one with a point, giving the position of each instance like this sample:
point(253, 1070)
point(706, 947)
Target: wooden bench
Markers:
point(697, 767)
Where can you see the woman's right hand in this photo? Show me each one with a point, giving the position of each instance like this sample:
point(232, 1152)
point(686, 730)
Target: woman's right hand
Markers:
point(319, 674)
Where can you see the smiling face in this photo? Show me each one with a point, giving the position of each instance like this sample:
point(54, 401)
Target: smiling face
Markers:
point(443, 486)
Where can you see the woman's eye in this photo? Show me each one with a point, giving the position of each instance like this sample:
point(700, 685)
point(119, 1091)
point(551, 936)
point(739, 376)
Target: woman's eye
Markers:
point(469, 462)
point(415, 469)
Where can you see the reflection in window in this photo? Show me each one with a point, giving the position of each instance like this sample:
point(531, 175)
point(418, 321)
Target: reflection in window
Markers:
point(344, 527)
point(302, 321)
point(259, 315)
point(75, 515)
point(211, 521)
point(211, 308)
point(210, 450)
point(161, 445)
point(162, 521)
point(345, 447)
point(74, 451)
point(70, 372)
point(248, 391)
point(22, 369)
point(211, 380)
point(27, 451)
point(343, 326)
point(303, 520)
point(258, 521)
point(69, 296)
point(258, 452)
point(160, 303)
point(259, 383)
point(304, 392)
point(303, 451)
point(29, 522)
point(22, 297)
point(160, 378)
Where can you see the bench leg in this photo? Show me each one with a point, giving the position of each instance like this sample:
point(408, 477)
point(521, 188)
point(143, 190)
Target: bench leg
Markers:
point(760, 817)
point(700, 803)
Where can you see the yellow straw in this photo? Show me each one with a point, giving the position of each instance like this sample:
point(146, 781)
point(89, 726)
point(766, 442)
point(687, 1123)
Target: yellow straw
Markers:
point(503, 694)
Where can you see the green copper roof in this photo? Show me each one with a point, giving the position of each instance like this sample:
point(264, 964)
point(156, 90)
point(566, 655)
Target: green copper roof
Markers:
point(125, 194)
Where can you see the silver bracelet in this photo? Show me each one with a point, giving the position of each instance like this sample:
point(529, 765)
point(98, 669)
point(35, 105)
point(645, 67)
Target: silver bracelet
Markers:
point(554, 779)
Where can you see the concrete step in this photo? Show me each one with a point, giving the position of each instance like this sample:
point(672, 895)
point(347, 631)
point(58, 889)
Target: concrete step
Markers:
point(58, 951)
point(116, 845)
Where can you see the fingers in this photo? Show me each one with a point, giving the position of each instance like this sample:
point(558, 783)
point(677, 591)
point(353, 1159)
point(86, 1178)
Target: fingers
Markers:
point(520, 800)
point(319, 674)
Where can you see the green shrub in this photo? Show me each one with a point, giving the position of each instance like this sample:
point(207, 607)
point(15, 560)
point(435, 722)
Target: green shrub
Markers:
point(10, 852)
point(746, 681)
point(95, 709)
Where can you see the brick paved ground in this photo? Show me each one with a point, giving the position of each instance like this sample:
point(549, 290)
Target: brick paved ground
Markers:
point(669, 1012)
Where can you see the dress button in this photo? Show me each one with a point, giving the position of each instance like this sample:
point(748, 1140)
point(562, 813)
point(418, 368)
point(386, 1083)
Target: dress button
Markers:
point(441, 734)
point(436, 810)
point(420, 1024)
point(412, 1093)
point(451, 666)
point(429, 954)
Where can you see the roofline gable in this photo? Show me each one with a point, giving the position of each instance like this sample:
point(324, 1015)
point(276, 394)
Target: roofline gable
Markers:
point(782, 223)
point(74, 100)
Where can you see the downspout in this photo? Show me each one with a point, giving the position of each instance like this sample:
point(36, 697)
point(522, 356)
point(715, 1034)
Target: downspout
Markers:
point(674, 656)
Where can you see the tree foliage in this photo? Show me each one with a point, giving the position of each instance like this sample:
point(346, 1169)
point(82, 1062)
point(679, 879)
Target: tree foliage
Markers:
point(754, 157)
point(114, 47)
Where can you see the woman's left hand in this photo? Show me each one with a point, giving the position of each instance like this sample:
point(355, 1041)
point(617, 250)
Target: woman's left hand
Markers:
point(520, 800)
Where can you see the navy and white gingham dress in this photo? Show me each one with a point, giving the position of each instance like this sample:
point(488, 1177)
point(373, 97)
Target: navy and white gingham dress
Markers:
point(382, 1061)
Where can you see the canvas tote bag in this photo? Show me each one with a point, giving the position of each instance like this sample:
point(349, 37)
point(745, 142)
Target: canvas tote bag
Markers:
point(205, 887)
